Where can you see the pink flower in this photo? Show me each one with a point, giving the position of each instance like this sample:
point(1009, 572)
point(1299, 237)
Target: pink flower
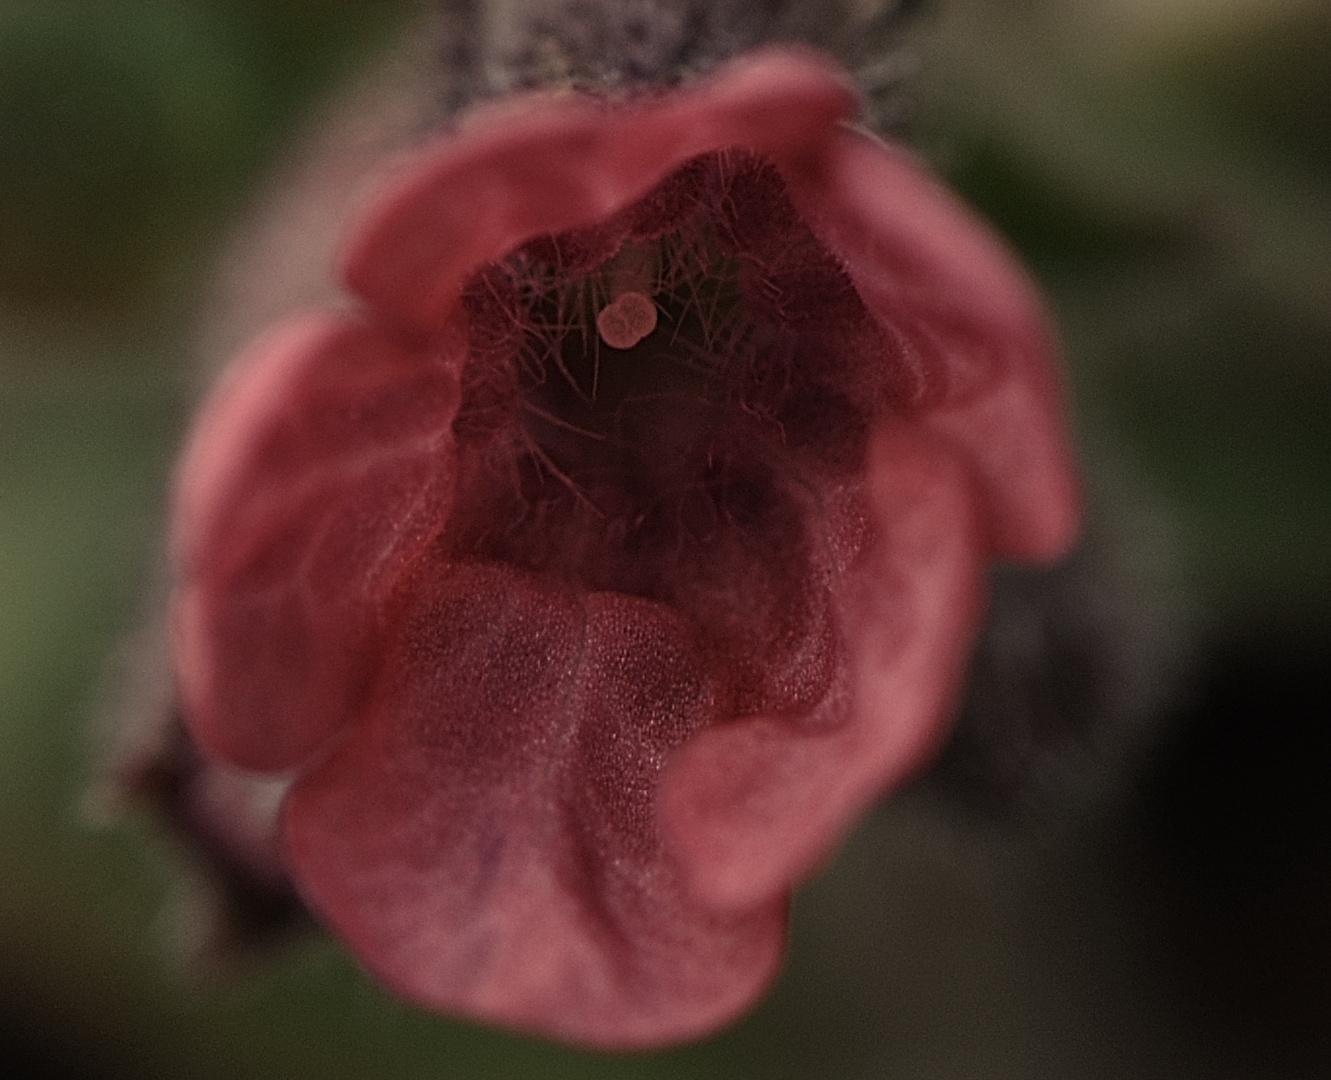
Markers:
point(622, 546)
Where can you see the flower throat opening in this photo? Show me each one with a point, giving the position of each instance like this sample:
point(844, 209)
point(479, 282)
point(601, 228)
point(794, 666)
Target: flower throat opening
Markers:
point(678, 451)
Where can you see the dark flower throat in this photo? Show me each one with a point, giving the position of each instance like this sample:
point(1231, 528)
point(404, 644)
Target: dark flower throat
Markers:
point(692, 467)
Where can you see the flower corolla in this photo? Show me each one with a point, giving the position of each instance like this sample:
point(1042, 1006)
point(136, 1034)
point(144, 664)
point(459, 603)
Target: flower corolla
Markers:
point(621, 544)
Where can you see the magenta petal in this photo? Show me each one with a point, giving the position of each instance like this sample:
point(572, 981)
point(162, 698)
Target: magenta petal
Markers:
point(313, 478)
point(753, 806)
point(486, 840)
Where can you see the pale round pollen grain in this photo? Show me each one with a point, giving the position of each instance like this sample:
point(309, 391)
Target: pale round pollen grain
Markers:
point(626, 320)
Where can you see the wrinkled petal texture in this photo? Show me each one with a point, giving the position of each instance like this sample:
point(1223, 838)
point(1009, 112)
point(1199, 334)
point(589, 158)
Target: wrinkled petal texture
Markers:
point(565, 738)
point(318, 470)
point(498, 854)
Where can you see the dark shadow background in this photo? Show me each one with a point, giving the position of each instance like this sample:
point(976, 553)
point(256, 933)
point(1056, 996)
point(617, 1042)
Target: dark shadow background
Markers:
point(1166, 169)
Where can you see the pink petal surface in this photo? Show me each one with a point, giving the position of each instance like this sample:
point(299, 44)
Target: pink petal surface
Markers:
point(758, 803)
point(550, 164)
point(313, 476)
point(934, 274)
point(487, 838)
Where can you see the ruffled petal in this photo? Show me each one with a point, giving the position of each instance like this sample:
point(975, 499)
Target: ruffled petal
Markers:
point(550, 164)
point(962, 310)
point(486, 838)
point(314, 476)
point(753, 806)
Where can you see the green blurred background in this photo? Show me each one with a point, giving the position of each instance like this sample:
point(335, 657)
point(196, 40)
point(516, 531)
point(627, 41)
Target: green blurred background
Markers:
point(1165, 167)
